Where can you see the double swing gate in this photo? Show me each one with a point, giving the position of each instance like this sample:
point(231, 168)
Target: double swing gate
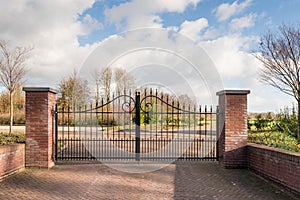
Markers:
point(144, 126)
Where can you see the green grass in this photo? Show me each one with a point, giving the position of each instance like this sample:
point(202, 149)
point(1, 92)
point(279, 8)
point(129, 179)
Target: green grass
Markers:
point(16, 137)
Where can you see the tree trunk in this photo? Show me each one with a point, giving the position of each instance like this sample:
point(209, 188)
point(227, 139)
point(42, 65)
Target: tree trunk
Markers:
point(97, 92)
point(11, 113)
point(298, 131)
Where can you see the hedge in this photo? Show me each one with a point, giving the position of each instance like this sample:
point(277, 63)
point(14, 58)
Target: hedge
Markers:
point(16, 137)
point(275, 139)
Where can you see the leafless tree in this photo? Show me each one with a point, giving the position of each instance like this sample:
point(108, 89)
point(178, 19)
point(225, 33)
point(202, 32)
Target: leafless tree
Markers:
point(280, 55)
point(105, 80)
point(186, 101)
point(107, 77)
point(12, 71)
point(124, 81)
point(96, 75)
point(74, 91)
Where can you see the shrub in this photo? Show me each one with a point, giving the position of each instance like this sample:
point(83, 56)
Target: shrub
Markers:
point(287, 121)
point(275, 139)
point(261, 123)
point(17, 137)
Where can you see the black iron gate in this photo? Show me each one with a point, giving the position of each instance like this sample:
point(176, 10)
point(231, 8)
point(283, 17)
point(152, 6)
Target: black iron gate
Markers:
point(148, 126)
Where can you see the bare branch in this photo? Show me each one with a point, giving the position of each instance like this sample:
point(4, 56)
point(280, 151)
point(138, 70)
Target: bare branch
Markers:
point(74, 91)
point(12, 65)
point(12, 70)
point(124, 81)
point(280, 56)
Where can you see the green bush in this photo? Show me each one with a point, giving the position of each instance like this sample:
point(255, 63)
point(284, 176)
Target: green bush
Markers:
point(275, 139)
point(260, 123)
point(287, 121)
point(6, 138)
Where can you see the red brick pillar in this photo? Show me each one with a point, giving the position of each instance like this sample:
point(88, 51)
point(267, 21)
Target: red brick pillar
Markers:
point(40, 102)
point(232, 128)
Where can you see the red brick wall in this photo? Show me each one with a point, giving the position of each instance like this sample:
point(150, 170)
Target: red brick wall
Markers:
point(233, 128)
point(12, 159)
point(279, 165)
point(40, 102)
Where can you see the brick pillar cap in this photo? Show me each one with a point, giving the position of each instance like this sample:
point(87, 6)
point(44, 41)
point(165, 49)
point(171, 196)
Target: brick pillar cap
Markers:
point(39, 89)
point(233, 92)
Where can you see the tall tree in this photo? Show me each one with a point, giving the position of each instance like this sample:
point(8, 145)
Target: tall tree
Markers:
point(106, 79)
point(12, 71)
point(280, 55)
point(124, 81)
point(73, 90)
point(97, 78)
point(185, 100)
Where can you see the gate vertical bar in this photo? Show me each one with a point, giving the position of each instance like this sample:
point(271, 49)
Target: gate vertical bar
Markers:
point(56, 132)
point(137, 126)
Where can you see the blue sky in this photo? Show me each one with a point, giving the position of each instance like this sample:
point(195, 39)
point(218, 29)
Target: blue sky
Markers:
point(65, 33)
point(268, 15)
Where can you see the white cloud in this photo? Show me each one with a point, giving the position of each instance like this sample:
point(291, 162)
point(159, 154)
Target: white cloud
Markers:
point(192, 29)
point(230, 55)
point(224, 11)
point(52, 27)
point(159, 57)
point(239, 69)
point(89, 24)
point(264, 98)
point(232, 60)
point(144, 13)
point(211, 33)
point(243, 22)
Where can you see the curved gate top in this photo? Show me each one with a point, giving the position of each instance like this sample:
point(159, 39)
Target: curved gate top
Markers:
point(143, 126)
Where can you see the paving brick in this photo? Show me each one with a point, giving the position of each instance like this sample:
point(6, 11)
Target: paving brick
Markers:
point(182, 180)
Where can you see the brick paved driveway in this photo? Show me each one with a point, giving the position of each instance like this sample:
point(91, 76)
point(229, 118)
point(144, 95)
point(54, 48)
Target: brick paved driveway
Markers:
point(183, 180)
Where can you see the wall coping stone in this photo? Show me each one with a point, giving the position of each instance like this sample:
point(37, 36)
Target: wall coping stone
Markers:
point(283, 151)
point(14, 145)
point(40, 89)
point(233, 92)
